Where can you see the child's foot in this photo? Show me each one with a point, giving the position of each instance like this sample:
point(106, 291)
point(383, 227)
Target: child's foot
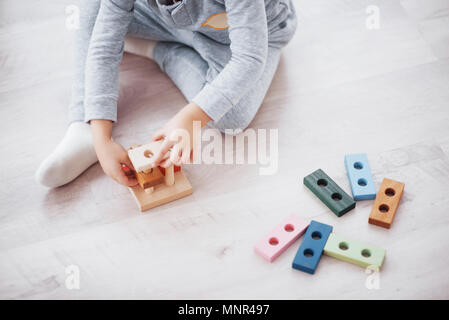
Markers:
point(74, 154)
point(140, 47)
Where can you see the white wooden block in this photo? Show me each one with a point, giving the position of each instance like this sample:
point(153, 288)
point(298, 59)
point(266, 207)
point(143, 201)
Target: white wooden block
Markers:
point(141, 157)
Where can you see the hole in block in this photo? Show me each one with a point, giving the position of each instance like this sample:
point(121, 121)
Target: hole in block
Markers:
point(362, 182)
point(322, 182)
point(366, 253)
point(308, 253)
point(336, 196)
point(358, 165)
point(316, 235)
point(148, 153)
point(273, 241)
point(390, 192)
point(384, 208)
point(289, 227)
point(343, 246)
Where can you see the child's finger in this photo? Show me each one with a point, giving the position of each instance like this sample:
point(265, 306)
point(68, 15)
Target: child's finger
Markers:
point(166, 163)
point(160, 155)
point(175, 154)
point(158, 135)
point(132, 182)
point(186, 153)
point(125, 180)
point(128, 172)
point(128, 163)
point(177, 162)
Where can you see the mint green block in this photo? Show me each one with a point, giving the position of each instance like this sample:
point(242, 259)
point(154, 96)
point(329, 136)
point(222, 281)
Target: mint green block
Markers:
point(361, 254)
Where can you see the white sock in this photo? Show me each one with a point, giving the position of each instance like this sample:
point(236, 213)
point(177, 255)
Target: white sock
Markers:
point(140, 47)
point(73, 155)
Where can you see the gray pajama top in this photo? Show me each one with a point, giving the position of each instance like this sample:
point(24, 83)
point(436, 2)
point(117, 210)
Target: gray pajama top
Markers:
point(248, 27)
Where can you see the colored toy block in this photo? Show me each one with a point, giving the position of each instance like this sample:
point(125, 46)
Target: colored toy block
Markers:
point(311, 249)
point(329, 192)
point(151, 179)
point(281, 237)
point(386, 204)
point(169, 176)
point(363, 255)
point(359, 174)
point(141, 156)
point(162, 193)
point(151, 190)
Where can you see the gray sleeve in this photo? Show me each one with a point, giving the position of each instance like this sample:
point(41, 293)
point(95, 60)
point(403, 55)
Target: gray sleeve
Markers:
point(103, 59)
point(249, 46)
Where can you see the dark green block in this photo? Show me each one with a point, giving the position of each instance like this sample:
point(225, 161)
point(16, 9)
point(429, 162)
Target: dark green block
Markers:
point(329, 192)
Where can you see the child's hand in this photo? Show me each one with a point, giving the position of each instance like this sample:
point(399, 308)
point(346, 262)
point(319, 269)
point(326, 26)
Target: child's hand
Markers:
point(178, 136)
point(110, 154)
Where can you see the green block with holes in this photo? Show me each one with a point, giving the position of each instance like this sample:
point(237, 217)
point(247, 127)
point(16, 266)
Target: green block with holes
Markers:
point(329, 192)
point(361, 254)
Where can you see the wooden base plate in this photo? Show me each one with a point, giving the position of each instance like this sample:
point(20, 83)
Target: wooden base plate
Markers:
point(162, 193)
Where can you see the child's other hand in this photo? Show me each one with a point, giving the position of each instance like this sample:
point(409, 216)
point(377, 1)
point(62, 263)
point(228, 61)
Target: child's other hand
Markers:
point(110, 154)
point(178, 136)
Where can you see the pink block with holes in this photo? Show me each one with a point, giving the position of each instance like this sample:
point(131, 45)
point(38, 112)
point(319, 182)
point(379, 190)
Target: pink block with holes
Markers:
point(280, 238)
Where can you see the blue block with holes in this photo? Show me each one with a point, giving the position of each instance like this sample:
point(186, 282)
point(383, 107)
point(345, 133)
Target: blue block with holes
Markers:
point(311, 248)
point(360, 178)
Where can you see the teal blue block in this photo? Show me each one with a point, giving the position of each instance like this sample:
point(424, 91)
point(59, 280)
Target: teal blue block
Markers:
point(311, 248)
point(360, 178)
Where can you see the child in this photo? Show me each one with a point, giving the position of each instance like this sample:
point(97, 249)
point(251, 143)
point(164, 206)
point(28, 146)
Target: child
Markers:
point(222, 54)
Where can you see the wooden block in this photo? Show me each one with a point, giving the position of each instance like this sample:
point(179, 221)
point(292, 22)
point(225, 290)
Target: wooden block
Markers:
point(149, 190)
point(141, 156)
point(386, 204)
point(329, 192)
point(281, 237)
point(311, 249)
point(162, 193)
point(176, 169)
point(360, 178)
point(363, 255)
point(169, 176)
point(148, 180)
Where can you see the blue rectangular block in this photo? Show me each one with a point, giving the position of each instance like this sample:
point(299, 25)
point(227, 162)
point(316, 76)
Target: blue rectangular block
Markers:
point(359, 174)
point(311, 248)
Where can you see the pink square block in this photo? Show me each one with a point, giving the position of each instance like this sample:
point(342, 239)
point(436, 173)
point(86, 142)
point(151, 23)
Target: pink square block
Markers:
point(280, 238)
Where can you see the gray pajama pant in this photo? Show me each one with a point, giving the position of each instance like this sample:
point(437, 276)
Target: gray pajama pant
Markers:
point(189, 65)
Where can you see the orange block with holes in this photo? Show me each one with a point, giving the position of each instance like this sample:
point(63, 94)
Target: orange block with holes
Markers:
point(386, 204)
point(150, 179)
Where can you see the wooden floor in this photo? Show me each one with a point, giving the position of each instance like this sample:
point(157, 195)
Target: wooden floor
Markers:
point(340, 88)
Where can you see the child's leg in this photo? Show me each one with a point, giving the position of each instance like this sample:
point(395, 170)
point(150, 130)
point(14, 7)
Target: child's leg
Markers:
point(185, 67)
point(75, 153)
point(146, 30)
point(188, 70)
point(140, 47)
point(88, 14)
point(241, 115)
